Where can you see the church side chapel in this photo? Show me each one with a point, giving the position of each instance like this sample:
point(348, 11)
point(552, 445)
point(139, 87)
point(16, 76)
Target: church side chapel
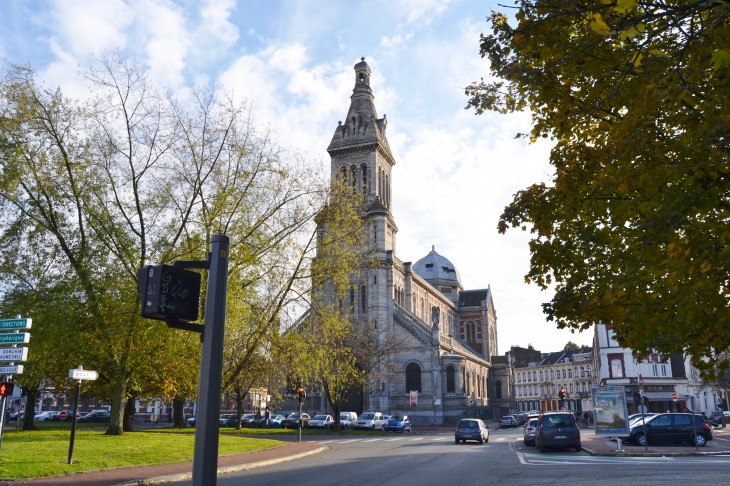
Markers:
point(451, 332)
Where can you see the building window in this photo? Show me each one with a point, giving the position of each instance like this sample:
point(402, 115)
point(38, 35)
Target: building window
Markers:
point(617, 370)
point(571, 388)
point(450, 379)
point(563, 373)
point(553, 389)
point(570, 373)
point(413, 378)
point(541, 376)
point(552, 375)
point(363, 299)
point(534, 375)
point(664, 370)
point(498, 389)
point(352, 301)
point(364, 173)
point(583, 372)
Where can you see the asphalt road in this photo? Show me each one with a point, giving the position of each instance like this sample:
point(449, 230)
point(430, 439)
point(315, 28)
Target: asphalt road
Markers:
point(404, 460)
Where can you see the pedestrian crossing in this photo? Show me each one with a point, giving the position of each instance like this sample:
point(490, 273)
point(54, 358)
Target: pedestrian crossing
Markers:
point(398, 440)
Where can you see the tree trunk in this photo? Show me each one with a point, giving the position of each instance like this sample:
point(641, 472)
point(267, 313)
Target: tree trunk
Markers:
point(177, 412)
point(239, 411)
point(30, 408)
point(336, 412)
point(129, 411)
point(116, 421)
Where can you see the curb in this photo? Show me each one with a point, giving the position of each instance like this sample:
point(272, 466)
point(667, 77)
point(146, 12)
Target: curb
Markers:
point(654, 454)
point(223, 470)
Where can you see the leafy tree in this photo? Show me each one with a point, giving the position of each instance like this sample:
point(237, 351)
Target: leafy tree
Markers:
point(570, 345)
point(631, 230)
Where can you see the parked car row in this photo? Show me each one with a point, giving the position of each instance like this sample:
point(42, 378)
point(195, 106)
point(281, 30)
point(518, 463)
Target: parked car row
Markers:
point(348, 420)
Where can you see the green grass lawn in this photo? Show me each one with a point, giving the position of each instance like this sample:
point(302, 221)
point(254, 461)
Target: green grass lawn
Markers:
point(45, 452)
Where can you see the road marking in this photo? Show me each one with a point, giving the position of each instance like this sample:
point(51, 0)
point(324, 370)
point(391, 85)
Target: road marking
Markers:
point(371, 440)
point(719, 438)
point(501, 438)
point(391, 440)
point(419, 438)
point(439, 438)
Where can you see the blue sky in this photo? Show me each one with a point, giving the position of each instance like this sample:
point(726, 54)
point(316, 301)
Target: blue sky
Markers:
point(455, 171)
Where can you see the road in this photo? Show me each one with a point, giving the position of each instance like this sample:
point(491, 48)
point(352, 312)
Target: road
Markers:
point(403, 460)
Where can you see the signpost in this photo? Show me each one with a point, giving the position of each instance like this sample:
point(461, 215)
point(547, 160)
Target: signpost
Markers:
point(563, 408)
point(12, 355)
point(693, 403)
point(63, 415)
point(675, 397)
point(78, 374)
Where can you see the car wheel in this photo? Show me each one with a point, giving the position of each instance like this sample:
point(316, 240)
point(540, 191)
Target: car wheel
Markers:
point(640, 439)
point(699, 440)
point(481, 440)
point(540, 447)
point(524, 441)
point(456, 441)
point(578, 448)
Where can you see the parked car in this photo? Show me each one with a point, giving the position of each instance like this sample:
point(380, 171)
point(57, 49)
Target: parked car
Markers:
point(370, 421)
point(14, 416)
point(521, 418)
point(471, 429)
point(292, 421)
point(321, 422)
point(275, 420)
point(56, 417)
point(557, 429)
point(398, 423)
point(227, 420)
point(42, 417)
point(347, 419)
point(667, 428)
point(95, 416)
point(529, 434)
point(247, 419)
point(259, 421)
point(191, 422)
point(508, 421)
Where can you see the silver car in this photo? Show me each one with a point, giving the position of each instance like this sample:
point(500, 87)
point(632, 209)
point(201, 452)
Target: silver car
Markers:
point(370, 421)
point(530, 428)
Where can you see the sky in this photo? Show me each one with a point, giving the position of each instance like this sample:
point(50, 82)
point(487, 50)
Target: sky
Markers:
point(455, 172)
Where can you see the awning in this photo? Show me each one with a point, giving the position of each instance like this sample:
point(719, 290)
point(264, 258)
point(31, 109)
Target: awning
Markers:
point(659, 396)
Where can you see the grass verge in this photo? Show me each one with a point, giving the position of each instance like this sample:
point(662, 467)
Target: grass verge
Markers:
point(45, 452)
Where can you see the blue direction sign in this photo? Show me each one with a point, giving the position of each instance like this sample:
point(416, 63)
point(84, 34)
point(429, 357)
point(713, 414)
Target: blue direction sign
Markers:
point(13, 324)
point(15, 338)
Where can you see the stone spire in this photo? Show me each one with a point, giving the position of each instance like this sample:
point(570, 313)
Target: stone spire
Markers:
point(362, 125)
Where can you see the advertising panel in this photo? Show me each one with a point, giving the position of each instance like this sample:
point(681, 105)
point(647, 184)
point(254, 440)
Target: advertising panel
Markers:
point(610, 411)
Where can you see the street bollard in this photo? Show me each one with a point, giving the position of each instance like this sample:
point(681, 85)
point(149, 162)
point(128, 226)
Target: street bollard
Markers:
point(620, 444)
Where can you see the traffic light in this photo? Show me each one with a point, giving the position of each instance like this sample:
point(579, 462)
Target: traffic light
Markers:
point(302, 394)
point(6, 389)
point(561, 394)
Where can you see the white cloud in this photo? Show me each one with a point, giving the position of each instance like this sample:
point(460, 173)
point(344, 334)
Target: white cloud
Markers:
point(395, 42)
point(423, 11)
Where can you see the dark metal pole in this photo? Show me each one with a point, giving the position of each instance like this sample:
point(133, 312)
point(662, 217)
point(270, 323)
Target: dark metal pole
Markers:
point(205, 455)
point(77, 395)
point(300, 421)
point(643, 422)
point(2, 418)
point(694, 424)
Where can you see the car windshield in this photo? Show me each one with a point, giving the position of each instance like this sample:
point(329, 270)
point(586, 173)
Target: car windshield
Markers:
point(507, 417)
point(344, 417)
point(396, 418)
point(320, 417)
point(367, 416)
point(468, 424)
point(558, 421)
point(533, 423)
point(293, 416)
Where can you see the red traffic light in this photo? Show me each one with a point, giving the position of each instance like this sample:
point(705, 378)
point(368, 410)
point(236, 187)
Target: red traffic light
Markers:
point(6, 389)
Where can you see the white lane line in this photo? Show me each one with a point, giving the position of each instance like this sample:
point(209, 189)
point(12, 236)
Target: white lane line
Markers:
point(500, 438)
point(520, 456)
point(419, 438)
point(372, 440)
point(391, 440)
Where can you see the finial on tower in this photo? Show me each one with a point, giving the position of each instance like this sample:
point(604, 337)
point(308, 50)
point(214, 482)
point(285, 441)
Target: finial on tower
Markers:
point(362, 59)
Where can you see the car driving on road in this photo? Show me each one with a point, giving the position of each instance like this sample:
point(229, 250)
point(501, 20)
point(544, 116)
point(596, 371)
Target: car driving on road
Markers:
point(471, 429)
point(557, 429)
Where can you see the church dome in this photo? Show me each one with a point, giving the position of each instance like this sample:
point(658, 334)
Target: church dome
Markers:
point(436, 267)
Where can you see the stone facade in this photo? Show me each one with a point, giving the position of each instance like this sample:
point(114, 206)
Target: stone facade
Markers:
point(451, 333)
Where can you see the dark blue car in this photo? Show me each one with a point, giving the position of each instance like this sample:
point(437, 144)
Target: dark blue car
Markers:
point(398, 423)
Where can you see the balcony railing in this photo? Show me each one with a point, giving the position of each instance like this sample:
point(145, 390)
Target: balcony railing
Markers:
point(414, 321)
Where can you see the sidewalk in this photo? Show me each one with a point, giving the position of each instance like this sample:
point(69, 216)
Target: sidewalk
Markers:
point(139, 475)
point(603, 446)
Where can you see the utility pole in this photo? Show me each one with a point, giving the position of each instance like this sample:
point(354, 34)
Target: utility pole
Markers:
point(205, 455)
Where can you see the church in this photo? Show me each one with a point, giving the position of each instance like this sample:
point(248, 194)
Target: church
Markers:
point(451, 332)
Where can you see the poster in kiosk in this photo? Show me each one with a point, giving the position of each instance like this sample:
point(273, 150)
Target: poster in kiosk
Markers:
point(610, 414)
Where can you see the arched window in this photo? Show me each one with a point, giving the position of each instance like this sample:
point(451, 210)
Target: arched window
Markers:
point(387, 190)
point(468, 384)
point(413, 378)
point(471, 331)
point(353, 177)
point(363, 299)
point(450, 379)
point(352, 301)
point(486, 387)
point(380, 184)
point(498, 389)
point(343, 174)
point(541, 376)
point(354, 128)
point(364, 178)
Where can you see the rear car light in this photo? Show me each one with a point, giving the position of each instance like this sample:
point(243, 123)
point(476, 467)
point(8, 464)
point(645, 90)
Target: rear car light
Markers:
point(707, 427)
point(479, 431)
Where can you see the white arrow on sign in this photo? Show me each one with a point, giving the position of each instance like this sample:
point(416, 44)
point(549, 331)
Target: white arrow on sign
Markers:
point(83, 374)
point(11, 370)
point(13, 354)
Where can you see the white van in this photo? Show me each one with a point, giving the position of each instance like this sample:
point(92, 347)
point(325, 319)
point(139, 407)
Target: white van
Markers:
point(347, 419)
